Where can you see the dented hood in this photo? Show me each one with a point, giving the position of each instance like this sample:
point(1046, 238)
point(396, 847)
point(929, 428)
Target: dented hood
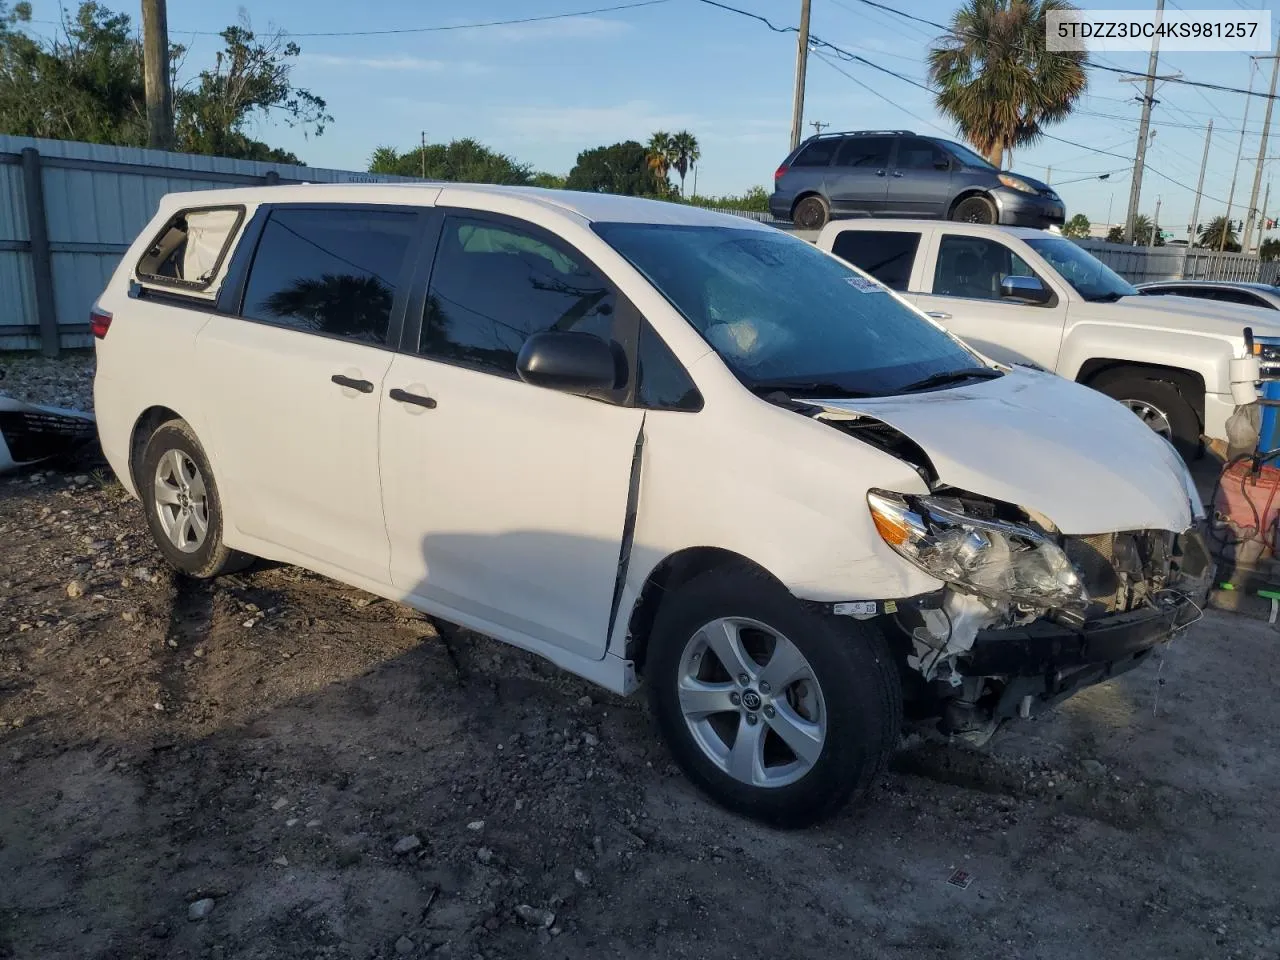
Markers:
point(1046, 444)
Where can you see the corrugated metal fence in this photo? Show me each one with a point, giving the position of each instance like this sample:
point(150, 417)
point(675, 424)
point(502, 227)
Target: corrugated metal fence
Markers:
point(68, 211)
point(1140, 264)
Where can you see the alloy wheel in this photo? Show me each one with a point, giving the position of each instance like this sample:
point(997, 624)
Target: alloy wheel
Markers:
point(181, 501)
point(1152, 416)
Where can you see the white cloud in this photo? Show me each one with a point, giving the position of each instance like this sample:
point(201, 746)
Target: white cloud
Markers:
point(396, 62)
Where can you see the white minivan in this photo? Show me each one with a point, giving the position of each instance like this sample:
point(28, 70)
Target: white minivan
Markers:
point(649, 443)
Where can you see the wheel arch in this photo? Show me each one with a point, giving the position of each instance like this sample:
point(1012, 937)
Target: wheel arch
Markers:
point(143, 427)
point(968, 192)
point(669, 575)
point(1189, 383)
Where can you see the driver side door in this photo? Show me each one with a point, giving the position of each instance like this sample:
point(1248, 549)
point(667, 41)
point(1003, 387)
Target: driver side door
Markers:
point(963, 294)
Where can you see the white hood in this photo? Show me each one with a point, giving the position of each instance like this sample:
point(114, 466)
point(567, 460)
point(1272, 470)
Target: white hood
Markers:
point(1046, 444)
point(1190, 314)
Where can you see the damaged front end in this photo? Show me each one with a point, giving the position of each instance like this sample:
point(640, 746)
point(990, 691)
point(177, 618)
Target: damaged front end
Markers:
point(1028, 615)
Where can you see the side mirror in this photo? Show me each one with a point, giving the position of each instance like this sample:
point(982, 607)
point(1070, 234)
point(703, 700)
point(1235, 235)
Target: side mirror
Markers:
point(571, 362)
point(1025, 289)
point(942, 163)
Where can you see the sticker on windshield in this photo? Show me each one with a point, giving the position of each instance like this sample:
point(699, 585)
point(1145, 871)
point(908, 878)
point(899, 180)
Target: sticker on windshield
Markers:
point(864, 285)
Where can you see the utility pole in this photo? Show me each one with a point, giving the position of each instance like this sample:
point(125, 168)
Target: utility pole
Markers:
point(1262, 219)
point(1155, 225)
point(422, 154)
point(155, 66)
point(1231, 194)
point(1139, 161)
point(1195, 209)
point(1262, 150)
point(819, 126)
point(802, 65)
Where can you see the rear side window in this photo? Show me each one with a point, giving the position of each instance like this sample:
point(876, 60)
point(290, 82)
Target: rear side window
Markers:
point(1238, 296)
point(332, 272)
point(494, 285)
point(871, 153)
point(816, 154)
point(887, 255)
point(190, 249)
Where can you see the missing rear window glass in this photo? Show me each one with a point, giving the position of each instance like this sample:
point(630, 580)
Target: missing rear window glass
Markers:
point(190, 249)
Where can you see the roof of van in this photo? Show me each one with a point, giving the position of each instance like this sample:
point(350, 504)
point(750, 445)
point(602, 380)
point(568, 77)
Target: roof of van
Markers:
point(593, 207)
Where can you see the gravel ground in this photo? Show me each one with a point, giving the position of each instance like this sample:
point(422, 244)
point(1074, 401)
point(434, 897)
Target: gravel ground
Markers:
point(64, 382)
point(277, 766)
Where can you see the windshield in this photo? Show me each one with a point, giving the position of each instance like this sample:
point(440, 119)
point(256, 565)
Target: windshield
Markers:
point(1090, 277)
point(784, 315)
point(968, 156)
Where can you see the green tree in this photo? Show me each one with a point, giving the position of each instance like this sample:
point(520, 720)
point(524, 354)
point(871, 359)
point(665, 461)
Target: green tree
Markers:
point(459, 161)
point(1212, 235)
point(683, 153)
point(1077, 227)
point(552, 181)
point(1269, 249)
point(87, 84)
point(756, 199)
point(1141, 232)
point(621, 168)
point(995, 79)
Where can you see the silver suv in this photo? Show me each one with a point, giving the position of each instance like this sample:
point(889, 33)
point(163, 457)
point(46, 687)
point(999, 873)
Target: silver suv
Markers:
point(896, 173)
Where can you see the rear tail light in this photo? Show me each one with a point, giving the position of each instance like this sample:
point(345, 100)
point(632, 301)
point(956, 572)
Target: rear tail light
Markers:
point(780, 173)
point(99, 323)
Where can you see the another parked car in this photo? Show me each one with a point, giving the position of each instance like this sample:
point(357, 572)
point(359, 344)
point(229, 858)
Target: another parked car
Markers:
point(882, 173)
point(1245, 294)
point(643, 441)
point(1028, 296)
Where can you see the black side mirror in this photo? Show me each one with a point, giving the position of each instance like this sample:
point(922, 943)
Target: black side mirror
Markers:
point(571, 362)
point(1025, 289)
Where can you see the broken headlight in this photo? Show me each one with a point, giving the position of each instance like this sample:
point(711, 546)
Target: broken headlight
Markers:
point(993, 558)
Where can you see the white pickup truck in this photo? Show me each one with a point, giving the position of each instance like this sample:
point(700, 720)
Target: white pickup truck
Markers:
point(1021, 295)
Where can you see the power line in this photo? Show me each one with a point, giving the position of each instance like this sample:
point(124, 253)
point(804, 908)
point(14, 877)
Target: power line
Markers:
point(453, 26)
point(872, 90)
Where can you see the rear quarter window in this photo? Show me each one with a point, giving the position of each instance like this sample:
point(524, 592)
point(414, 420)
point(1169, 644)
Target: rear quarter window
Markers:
point(887, 255)
point(190, 248)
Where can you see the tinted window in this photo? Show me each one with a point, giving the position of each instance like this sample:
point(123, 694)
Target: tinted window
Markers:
point(885, 254)
point(816, 154)
point(190, 249)
point(868, 152)
point(1238, 296)
point(1090, 277)
point(974, 267)
point(782, 314)
point(664, 384)
point(917, 154)
point(493, 286)
point(967, 156)
point(330, 271)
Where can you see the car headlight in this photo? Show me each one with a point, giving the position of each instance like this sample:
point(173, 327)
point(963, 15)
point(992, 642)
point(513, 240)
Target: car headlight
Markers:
point(1017, 183)
point(1005, 561)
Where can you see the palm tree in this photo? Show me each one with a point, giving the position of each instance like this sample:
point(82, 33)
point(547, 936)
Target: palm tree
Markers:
point(684, 154)
point(1141, 232)
point(1269, 249)
point(995, 79)
point(1215, 232)
point(658, 152)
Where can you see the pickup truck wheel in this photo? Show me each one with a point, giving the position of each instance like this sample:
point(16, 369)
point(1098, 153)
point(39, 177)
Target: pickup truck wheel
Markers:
point(811, 213)
point(974, 210)
point(183, 510)
point(1159, 404)
point(777, 712)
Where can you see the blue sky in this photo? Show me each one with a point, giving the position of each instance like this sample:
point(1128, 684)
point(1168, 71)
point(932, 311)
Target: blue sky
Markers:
point(544, 91)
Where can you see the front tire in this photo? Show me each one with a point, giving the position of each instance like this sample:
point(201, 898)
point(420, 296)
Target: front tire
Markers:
point(1159, 404)
point(779, 713)
point(974, 210)
point(184, 511)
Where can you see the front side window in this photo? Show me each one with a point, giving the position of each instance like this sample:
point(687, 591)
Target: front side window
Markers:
point(917, 154)
point(190, 249)
point(332, 272)
point(494, 285)
point(887, 255)
point(785, 316)
point(868, 153)
point(1088, 275)
point(967, 156)
point(974, 267)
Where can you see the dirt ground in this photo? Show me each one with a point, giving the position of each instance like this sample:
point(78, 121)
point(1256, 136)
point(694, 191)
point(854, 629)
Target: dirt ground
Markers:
point(312, 772)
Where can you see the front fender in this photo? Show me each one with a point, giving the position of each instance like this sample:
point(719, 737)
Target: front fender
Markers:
point(1207, 355)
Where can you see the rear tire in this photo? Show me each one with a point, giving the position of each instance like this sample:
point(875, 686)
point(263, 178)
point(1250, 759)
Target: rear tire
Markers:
point(811, 213)
point(1159, 403)
point(974, 210)
point(836, 695)
point(183, 509)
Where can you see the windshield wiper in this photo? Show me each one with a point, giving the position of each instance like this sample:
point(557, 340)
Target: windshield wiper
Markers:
point(951, 376)
point(812, 388)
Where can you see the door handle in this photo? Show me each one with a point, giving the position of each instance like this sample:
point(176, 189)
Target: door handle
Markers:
point(938, 315)
point(879, 173)
point(364, 386)
point(404, 396)
point(897, 173)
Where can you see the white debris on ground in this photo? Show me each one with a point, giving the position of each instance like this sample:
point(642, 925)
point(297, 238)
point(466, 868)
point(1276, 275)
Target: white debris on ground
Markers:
point(64, 381)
